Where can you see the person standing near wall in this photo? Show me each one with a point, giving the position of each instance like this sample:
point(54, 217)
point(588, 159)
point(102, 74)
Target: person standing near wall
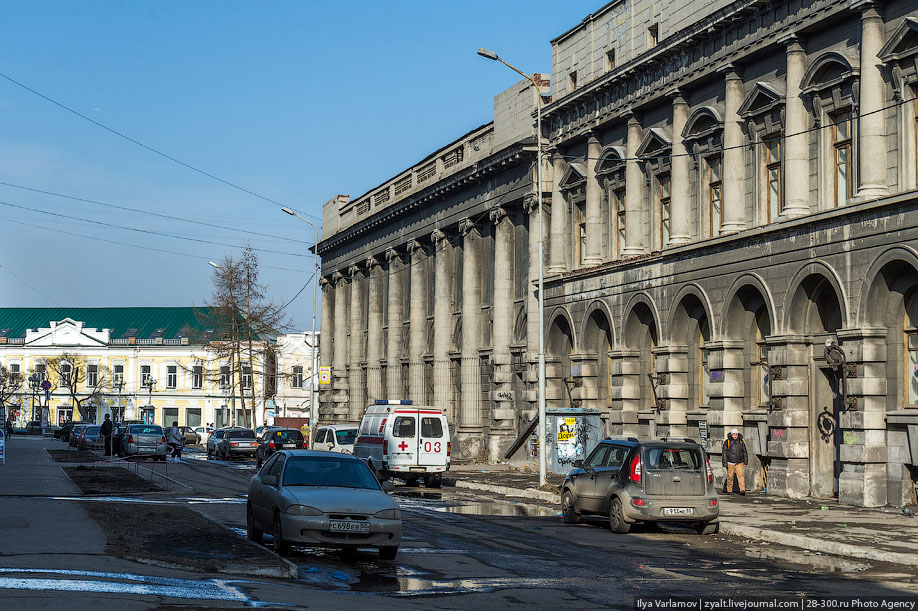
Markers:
point(734, 458)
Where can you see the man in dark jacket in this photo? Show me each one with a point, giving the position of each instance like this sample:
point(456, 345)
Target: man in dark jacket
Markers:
point(106, 433)
point(734, 458)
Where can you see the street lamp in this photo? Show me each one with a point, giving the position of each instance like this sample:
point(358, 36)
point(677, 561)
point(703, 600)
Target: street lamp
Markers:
point(313, 412)
point(543, 467)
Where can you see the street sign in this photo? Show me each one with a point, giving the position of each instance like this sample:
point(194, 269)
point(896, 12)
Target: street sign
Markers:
point(46, 385)
point(324, 376)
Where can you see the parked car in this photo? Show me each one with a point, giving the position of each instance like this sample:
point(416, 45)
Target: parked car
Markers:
point(278, 439)
point(91, 439)
point(324, 499)
point(213, 439)
point(75, 434)
point(203, 432)
point(118, 431)
point(31, 428)
point(191, 437)
point(631, 480)
point(144, 440)
point(336, 438)
point(63, 433)
point(234, 442)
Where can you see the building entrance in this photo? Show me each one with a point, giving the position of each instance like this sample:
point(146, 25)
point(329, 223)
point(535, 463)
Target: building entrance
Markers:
point(825, 465)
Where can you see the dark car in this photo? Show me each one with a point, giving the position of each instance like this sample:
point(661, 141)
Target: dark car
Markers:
point(278, 439)
point(631, 480)
point(91, 439)
point(31, 428)
point(63, 433)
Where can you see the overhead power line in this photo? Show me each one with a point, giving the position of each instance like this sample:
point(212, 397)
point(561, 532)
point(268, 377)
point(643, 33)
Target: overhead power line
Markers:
point(147, 147)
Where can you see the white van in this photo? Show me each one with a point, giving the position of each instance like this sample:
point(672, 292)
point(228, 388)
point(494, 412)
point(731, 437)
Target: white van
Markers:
point(336, 438)
point(409, 441)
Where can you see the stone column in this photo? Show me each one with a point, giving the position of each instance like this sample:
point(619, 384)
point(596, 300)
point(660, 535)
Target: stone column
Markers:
point(672, 361)
point(417, 323)
point(503, 416)
point(634, 192)
point(532, 306)
point(796, 149)
point(871, 125)
point(356, 358)
point(733, 210)
point(470, 430)
point(789, 447)
point(375, 297)
point(443, 309)
point(327, 346)
point(338, 412)
point(560, 247)
point(680, 209)
point(394, 346)
point(594, 220)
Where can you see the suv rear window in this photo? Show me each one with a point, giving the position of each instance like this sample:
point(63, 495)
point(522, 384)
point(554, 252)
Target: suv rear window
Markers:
point(288, 435)
point(431, 427)
point(673, 458)
point(240, 435)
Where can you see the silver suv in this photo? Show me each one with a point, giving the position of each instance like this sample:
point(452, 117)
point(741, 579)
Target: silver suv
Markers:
point(632, 480)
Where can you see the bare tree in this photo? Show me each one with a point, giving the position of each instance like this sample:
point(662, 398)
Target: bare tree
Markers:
point(10, 387)
point(83, 381)
point(243, 321)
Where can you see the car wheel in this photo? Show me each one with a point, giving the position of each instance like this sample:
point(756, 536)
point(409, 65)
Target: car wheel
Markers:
point(707, 528)
point(210, 453)
point(388, 553)
point(434, 480)
point(411, 481)
point(617, 517)
point(250, 530)
point(569, 512)
point(281, 547)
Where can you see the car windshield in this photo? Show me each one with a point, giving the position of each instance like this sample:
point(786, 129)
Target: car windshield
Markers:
point(331, 471)
point(673, 458)
point(346, 437)
point(147, 430)
point(240, 434)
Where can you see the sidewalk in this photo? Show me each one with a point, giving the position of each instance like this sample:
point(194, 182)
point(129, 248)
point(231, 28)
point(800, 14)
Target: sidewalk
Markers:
point(882, 534)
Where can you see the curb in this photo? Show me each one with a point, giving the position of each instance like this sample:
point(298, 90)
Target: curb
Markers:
point(817, 545)
point(528, 493)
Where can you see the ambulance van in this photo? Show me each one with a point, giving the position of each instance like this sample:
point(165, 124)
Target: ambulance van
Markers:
point(403, 440)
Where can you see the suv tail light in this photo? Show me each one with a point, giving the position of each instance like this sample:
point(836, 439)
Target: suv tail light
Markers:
point(130, 439)
point(707, 464)
point(163, 440)
point(635, 471)
point(271, 445)
point(449, 448)
point(385, 447)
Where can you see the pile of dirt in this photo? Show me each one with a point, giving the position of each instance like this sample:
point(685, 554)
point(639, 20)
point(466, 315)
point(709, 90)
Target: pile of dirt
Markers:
point(83, 456)
point(108, 480)
point(176, 536)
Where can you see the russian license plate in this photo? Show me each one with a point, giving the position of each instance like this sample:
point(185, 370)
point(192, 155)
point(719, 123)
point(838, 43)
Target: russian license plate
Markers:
point(677, 511)
point(348, 527)
point(288, 445)
point(417, 469)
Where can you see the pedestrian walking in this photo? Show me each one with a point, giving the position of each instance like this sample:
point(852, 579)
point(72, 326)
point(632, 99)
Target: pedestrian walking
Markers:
point(106, 432)
point(734, 458)
point(176, 440)
point(8, 426)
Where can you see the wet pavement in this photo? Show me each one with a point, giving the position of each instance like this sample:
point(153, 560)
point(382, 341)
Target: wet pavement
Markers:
point(461, 549)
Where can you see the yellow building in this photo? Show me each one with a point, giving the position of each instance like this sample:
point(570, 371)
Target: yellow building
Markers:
point(156, 364)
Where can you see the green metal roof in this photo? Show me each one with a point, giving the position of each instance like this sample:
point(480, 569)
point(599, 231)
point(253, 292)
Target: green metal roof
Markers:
point(142, 322)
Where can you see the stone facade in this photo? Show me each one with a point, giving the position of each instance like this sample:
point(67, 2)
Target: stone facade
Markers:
point(732, 242)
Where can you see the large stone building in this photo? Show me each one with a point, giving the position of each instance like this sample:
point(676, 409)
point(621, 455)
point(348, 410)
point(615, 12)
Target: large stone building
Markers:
point(733, 242)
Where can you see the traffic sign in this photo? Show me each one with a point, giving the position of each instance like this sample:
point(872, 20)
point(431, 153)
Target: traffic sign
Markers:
point(46, 385)
point(324, 375)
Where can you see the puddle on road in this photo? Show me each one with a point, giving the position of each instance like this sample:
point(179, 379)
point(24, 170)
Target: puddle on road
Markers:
point(496, 508)
point(204, 589)
point(798, 557)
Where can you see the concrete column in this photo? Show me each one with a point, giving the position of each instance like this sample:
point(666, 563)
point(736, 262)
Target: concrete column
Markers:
point(560, 247)
point(396, 307)
point(594, 220)
point(443, 309)
point(470, 420)
point(532, 305)
point(326, 348)
point(796, 148)
point(417, 323)
point(338, 412)
point(375, 297)
point(871, 125)
point(503, 415)
point(680, 209)
point(356, 358)
point(733, 210)
point(634, 192)
point(789, 474)
point(672, 362)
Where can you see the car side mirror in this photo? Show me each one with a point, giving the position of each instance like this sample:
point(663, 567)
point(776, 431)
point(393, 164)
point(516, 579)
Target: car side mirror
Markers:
point(578, 464)
point(269, 480)
point(388, 486)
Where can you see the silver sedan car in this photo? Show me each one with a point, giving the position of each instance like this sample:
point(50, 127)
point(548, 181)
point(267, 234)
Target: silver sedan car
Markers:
point(145, 440)
point(318, 498)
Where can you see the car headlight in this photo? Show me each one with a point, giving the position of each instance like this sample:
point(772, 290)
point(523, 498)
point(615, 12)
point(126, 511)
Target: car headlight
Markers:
point(389, 514)
point(303, 510)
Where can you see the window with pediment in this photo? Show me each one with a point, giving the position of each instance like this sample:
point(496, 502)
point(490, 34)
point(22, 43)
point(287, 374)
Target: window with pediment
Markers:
point(831, 88)
point(763, 113)
point(900, 54)
point(654, 152)
point(573, 189)
point(703, 136)
point(610, 171)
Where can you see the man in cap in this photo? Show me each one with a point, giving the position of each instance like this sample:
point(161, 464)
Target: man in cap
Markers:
point(734, 458)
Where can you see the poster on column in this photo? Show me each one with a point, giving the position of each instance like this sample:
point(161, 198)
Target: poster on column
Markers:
point(566, 439)
point(324, 376)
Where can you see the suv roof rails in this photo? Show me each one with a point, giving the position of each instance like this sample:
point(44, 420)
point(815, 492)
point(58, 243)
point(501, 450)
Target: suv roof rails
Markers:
point(622, 438)
point(685, 439)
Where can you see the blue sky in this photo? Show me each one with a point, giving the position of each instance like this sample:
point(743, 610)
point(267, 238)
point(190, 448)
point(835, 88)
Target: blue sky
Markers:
point(292, 101)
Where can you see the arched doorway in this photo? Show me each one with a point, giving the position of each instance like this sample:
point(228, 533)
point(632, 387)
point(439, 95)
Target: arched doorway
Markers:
point(597, 343)
point(816, 313)
point(691, 328)
point(558, 373)
point(640, 338)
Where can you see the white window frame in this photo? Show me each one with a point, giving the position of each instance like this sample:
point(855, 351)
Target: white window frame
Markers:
point(172, 376)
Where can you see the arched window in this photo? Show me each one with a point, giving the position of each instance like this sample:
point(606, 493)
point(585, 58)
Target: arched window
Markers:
point(655, 150)
point(703, 135)
point(610, 171)
point(911, 346)
point(763, 111)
